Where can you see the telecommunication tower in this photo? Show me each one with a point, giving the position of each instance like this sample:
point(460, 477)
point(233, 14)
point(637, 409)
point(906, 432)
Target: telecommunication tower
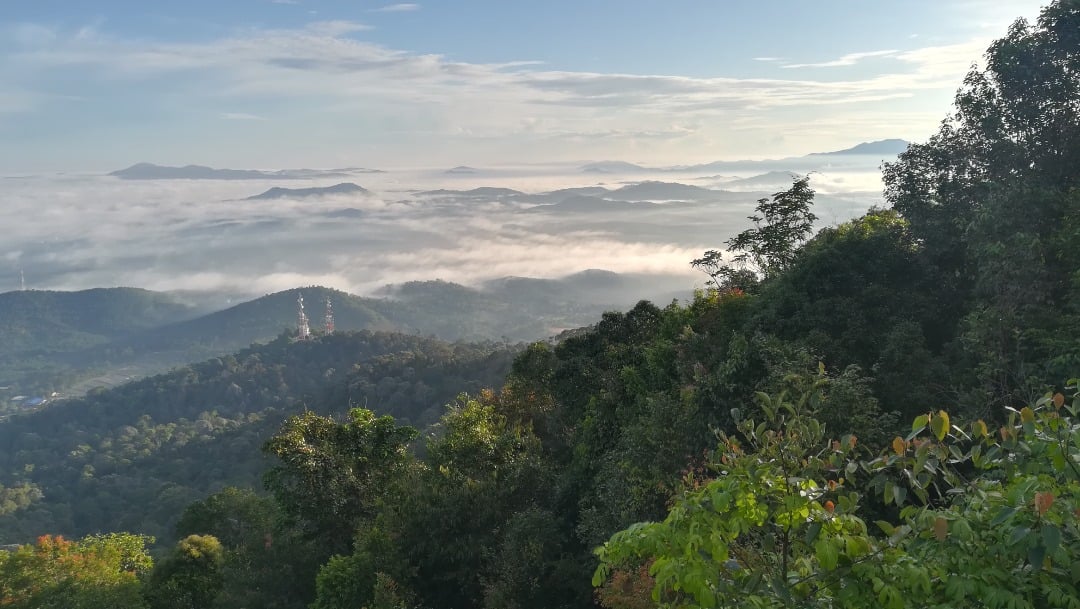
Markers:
point(329, 316)
point(303, 331)
point(22, 280)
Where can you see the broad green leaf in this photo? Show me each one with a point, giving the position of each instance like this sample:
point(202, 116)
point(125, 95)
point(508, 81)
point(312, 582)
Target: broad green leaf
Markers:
point(939, 424)
point(826, 554)
point(899, 495)
point(978, 429)
point(1036, 555)
point(1051, 536)
point(1003, 514)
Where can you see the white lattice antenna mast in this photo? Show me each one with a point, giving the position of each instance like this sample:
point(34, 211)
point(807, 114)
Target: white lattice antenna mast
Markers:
point(329, 316)
point(303, 331)
point(22, 281)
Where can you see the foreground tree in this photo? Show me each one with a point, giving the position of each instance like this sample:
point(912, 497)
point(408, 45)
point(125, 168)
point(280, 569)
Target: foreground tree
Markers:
point(776, 526)
point(96, 572)
point(331, 475)
point(1000, 178)
point(191, 577)
point(782, 223)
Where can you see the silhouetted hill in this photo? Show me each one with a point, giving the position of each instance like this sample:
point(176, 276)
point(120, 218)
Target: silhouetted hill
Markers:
point(890, 147)
point(613, 167)
point(344, 188)
point(885, 148)
point(483, 191)
point(150, 171)
point(581, 190)
point(461, 169)
point(769, 180)
point(664, 191)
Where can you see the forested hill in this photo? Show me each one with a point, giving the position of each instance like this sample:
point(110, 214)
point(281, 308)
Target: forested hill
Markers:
point(63, 340)
point(44, 321)
point(132, 457)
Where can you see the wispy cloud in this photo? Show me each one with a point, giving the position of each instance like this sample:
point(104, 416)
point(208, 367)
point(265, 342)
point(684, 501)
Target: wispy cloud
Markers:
point(769, 59)
point(401, 7)
point(847, 60)
point(241, 116)
point(325, 73)
point(335, 28)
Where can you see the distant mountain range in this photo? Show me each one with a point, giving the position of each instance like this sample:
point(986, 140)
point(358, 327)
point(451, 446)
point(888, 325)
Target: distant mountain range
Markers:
point(344, 188)
point(890, 147)
point(663, 191)
point(149, 171)
point(612, 167)
point(884, 148)
point(483, 191)
point(768, 180)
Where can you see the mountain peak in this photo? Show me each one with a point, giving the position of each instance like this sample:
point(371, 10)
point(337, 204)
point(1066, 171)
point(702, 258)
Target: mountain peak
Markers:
point(891, 147)
point(344, 188)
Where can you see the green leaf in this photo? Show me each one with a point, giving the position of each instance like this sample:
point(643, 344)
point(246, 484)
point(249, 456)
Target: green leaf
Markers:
point(1036, 555)
point(826, 554)
point(1019, 534)
point(919, 423)
point(899, 495)
point(939, 424)
point(1003, 514)
point(812, 532)
point(1051, 538)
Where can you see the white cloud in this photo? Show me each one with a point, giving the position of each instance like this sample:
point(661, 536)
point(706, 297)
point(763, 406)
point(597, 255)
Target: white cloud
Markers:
point(402, 7)
point(325, 73)
point(847, 60)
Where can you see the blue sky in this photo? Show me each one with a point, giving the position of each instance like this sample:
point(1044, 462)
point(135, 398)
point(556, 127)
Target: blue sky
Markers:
point(275, 83)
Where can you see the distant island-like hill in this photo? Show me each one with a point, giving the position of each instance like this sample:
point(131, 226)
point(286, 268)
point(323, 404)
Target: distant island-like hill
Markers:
point(891, 147)
point(885, 148)
point(345, 188)
point(150, 171)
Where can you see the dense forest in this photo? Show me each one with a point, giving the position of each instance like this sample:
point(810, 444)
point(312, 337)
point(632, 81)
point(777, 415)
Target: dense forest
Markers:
point(879, 414)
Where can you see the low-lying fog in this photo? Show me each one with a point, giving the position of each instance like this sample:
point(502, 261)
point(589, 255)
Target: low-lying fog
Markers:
point(74, 231)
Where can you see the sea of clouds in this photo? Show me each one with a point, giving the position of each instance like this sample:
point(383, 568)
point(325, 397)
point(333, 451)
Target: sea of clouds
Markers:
point(77, 231)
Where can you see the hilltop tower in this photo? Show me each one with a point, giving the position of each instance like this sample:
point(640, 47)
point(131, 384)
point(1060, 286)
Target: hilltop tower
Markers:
point(329, 316)
point(303, 331)
point(22, 281)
